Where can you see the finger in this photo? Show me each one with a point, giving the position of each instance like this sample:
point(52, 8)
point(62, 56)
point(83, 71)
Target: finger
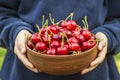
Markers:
point(101, 45)
point(25, 61)
point(88, 69)
point(103, 40)
point(22, 57)
point(100, 58)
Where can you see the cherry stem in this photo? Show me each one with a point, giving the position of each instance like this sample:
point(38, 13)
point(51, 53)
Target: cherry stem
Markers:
point(49, 41)
point(51, 19)
point(67, 38)
point(43, 20)
point(59, 22)
point(38, 27)
point(62, 44)
point(71, 15)
point(85, 22)
point(78, 27)
point(51, 33)
point(46, 23)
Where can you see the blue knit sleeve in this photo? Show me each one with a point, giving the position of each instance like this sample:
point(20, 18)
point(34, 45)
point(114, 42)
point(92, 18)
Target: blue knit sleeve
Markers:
point(10, 23)
point(111, 27)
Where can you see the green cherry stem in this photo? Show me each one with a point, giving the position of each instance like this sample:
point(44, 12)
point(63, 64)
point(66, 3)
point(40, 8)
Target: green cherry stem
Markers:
point(38, 27)
point(46, 23)
point(59, 22)
point(71, 14)
point(86, 22)
point(51, 19)
point(43, 20)
point(66, 38)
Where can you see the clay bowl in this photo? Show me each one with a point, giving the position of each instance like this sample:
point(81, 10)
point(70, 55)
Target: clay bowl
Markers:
point(62, 64)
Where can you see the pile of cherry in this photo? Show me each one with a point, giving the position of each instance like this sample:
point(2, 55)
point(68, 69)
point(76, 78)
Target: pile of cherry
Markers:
point(62, 38)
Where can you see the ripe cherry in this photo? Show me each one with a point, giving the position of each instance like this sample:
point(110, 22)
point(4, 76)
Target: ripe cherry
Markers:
point(80, 38)
point(85, 46)
point(68, 33)
point(57, 37)
point(55, 44)
point(46, 39)
point(74, 47)
point(72, 40)
point(51, 51)
point(87, 34)
point(63, 24)
point(71, 25)
point(52, 29)
point(62, 29)
point(35, 38)
point(76, 33)
point(43, 30)
point(30, 44)
point(40, 46)
point(62, 50)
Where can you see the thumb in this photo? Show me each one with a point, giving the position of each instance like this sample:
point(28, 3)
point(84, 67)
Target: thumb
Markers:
point(103, 40)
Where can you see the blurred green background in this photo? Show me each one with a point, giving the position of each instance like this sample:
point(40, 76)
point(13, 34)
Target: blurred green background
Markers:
point(2, 55)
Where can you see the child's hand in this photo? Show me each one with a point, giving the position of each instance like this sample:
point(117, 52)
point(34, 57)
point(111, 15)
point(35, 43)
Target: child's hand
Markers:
point(102, 47)
point(20, 49)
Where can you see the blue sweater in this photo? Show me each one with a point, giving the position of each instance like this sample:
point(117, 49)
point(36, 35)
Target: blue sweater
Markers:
point(16, 15)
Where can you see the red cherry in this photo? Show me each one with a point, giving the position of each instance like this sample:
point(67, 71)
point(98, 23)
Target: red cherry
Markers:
point(51, 51)
point(92, 42)
point(40, 46)
point(62, 50)
point(76, 33)
point(57, 37)
point(66, 45)
point(30, 44)
point(80, 38)
point(46, 39)
point(53, 29)
point(74, 47)
point(92, 37)
point(71, 25)
point(72, 40)
point(87, 34)
point(64, 24)
point(35, 39)
point(62, 29)
point(55, 44)
point(85, 46)
point(43, 30)
point(68, 33)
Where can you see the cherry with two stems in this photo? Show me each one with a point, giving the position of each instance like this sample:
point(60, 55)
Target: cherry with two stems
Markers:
point(86, 33)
